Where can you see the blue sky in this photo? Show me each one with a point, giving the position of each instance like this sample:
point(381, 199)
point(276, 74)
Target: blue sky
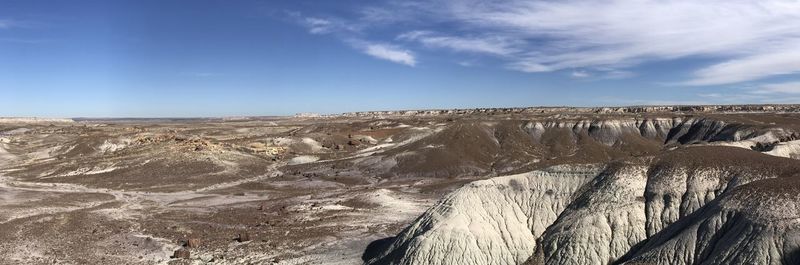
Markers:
point(229, 58)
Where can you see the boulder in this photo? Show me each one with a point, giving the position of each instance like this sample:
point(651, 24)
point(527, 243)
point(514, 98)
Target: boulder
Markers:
point(193, 242)
point(243, 237)
point(181, 254)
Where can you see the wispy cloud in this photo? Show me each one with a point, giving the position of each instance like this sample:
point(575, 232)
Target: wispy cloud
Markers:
point(468, 63)
point(4, 24)
point(571, 34)
point(495, 45)
point(742, 40)
point(389, 53)
point(9, 23)
point(580, 74)
point(618, 74)
point(600, 73)
point(749, 68)
point(785, 92)
point(779, 88)
point(318, 25)
point(348, 33)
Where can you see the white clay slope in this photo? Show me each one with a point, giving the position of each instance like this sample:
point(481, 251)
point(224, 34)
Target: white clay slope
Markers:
point(602, 224)
point(493, 221)
point(561, 217)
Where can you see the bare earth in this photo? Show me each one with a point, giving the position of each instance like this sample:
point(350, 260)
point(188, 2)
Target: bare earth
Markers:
point(301, 190)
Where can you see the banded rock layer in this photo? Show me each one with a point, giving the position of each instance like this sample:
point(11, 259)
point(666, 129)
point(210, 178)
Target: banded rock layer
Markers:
point(692, 205)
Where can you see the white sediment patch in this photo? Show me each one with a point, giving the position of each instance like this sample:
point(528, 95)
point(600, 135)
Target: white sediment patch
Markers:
point(88, 171)
point(113, 146)
point(391, 200)
point(313, 144)
point(375, 148)
point(282, 141)
point(366, 138)
point(790, 149)
point(302, 160)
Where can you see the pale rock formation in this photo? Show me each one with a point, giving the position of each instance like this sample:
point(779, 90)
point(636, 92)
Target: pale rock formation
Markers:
point(493, 221)
point(644, 211)
point(604, 221)
point(302, 159)
point(790, 149)
point(757, 223)
point(607, 132)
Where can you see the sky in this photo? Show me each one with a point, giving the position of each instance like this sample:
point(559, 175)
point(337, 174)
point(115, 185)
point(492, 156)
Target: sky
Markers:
point(203, 58)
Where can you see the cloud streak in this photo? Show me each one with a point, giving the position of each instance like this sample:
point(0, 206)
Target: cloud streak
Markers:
point(348, 33)
point(494, 45)
point(621, 33)
point(8, 23)
point(390, 53)
point(739, 40)
point(779, 88)
point(753, 67)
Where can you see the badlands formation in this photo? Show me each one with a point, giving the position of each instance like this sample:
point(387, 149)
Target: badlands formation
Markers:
point(628, 185)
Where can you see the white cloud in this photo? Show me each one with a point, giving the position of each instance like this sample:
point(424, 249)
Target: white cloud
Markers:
point(390, 53)
point(580, 74)
point(318, 25)
point(9, 23)
point(529, 67)
point(488, 44)
point(786, 92)
point(556, 35)
point(779, 88)
point(742, 40)
point(346, 32)
point(467, 63)
point(618, 74)
point(750, 68)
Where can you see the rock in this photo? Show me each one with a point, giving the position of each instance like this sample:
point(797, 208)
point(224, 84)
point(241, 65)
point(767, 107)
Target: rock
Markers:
point(353, 143)
point(181, 254)
point(243, 237)
point(193, 242)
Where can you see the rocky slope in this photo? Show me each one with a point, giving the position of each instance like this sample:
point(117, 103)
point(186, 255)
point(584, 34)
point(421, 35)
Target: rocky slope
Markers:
point(494, 221)
point(467, 148)
point(692, 205)
point(756, 223)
